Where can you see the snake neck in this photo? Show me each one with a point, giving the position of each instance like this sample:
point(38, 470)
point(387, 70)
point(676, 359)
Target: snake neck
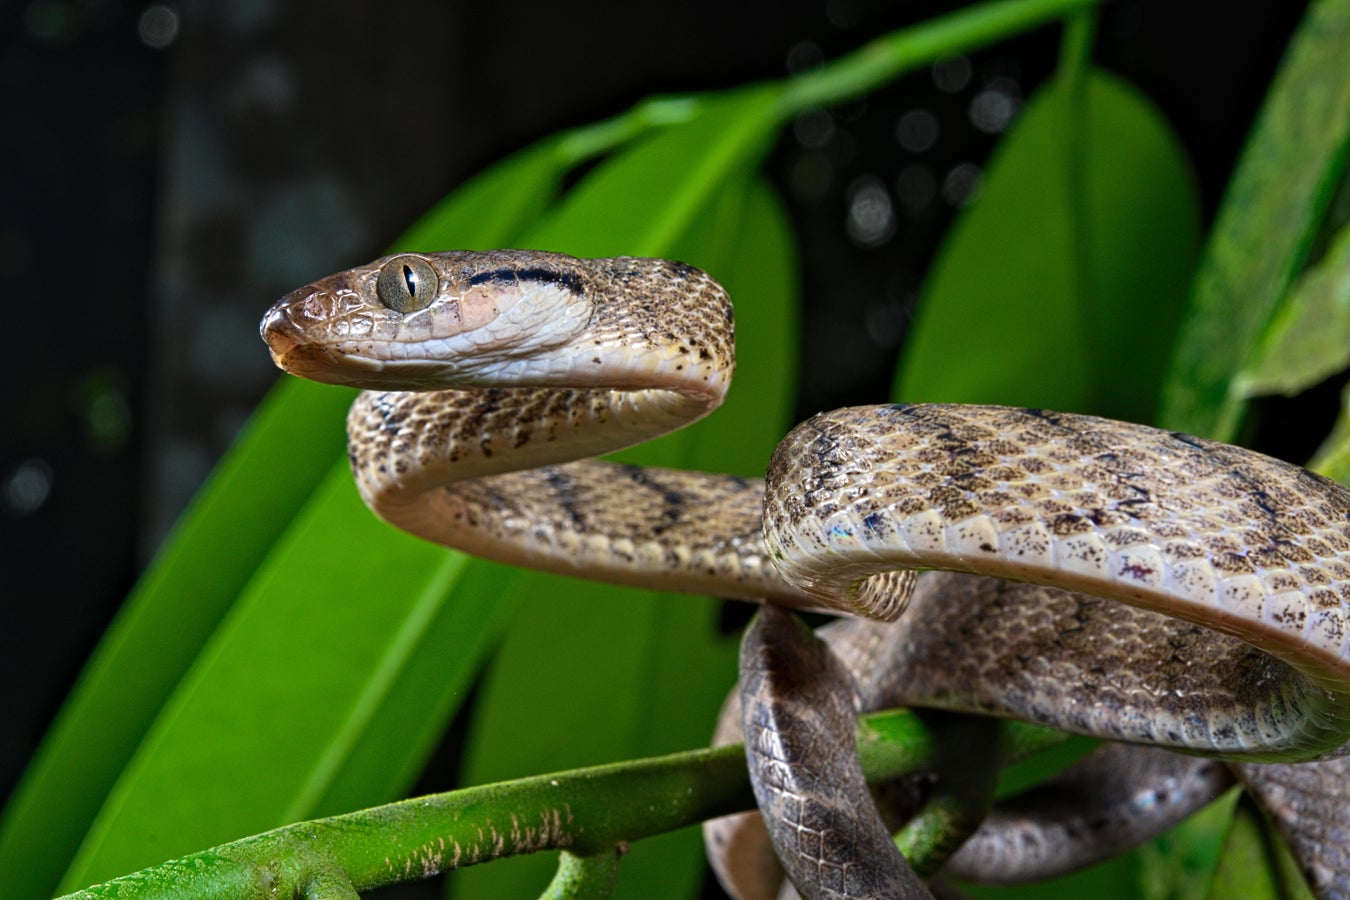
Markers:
point(402, 445)
point(506, 475)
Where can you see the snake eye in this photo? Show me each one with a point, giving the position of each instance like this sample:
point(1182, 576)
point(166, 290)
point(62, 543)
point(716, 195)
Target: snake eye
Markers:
point(407, 283)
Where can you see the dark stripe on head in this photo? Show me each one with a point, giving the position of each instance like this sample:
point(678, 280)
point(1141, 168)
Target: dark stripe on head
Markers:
point(507, 274)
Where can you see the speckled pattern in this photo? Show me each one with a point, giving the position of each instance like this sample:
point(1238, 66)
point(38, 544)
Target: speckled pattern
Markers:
point(1031, 652)
point(509, 369)
point(1308, 805)
point(612, 352)
point(1210, 533)
point(1117, 797)
point(799, 723)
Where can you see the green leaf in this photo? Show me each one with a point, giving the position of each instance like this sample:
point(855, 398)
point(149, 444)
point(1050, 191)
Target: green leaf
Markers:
point(427, 691)
point(1271, 213)
point(491, 210)
point(1038, 296)
point(231, 525)
point(1181, 861)
point(1309, 339)
point(255, 733)
point(606, 673)
point(1333, 457)
point(240, 514)
point(642, 202)
point(1254, 863)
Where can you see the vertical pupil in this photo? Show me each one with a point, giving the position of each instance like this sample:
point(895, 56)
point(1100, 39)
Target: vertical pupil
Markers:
point(410, 280)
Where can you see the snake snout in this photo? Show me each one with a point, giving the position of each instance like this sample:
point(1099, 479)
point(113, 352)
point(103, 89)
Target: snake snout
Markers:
point(294, 349)
point(282, 336)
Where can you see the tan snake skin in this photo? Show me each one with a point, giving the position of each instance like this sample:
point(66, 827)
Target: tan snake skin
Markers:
point(493, 376)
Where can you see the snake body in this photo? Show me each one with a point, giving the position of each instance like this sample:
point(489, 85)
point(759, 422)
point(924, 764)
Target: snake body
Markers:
point(579, 357)
point(492, 378)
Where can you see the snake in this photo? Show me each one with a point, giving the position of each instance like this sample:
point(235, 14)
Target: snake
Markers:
point(1100, 577)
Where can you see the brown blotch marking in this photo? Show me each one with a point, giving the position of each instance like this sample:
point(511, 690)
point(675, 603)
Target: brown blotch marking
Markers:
point(1005, 448)
point(997, 499)
point(1295, 553)
point(1125, 538)
point(1066, 524)
point(1291, 616)
point(1137, 571)
point(1314, 575)
point(1324, 598)
point(975, 482)
point(1013, 515)
point(962, 508)
point(910, 506)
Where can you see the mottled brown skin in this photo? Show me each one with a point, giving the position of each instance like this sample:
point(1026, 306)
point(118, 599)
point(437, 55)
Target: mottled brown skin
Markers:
point(1116, 799)
point(492, 377)
point(1208, 534)
point(478, 455)
point(953, 638)
point(798, 729)
point(1309, 806)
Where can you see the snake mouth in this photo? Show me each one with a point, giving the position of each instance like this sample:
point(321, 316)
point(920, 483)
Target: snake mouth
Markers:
point(345, 363)
point(280, 334)
point(292, 351)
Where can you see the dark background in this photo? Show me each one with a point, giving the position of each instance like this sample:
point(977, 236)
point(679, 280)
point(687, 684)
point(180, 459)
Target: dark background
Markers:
point(170, 169)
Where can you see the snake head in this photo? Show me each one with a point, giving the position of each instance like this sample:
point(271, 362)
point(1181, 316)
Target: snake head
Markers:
point(508, 319)
point(429, 320)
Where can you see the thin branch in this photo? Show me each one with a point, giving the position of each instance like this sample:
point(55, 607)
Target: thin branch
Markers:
point(890, 56)
point(589, 812)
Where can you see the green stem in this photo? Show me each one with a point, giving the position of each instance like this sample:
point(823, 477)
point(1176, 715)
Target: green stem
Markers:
point(329, 886)
point(866, 69)
point(889, 56)
point(966, 775)
point(589, 812)
point(585, 877)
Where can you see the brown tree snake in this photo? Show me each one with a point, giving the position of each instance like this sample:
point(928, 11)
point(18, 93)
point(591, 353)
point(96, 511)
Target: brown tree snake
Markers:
point(492, 378)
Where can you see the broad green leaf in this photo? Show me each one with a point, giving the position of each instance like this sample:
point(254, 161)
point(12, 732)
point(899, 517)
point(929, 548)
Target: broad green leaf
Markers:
point(281, 691)
point(626, 208)
point(1271, 212)
point(432, 684)
point(1254, 863)
point(604, 673)
point(1309, 339)
point(491, 210)
point(1181, 861)
point(496, 207)
point(1039, 296)
point(240, 515)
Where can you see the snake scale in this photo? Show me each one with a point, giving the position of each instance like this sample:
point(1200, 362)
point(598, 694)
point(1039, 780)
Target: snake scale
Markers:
point(493, 378)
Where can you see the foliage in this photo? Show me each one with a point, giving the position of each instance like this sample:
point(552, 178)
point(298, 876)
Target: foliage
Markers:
point(289, 657)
